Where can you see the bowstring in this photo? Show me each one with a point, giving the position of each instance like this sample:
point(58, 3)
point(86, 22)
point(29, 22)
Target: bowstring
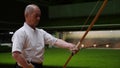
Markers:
point(93, 9)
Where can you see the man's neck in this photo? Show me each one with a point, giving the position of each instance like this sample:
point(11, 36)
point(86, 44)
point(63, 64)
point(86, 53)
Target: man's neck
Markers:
point(32, 26)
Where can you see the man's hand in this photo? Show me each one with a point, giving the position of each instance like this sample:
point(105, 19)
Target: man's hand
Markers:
point(30, 65)
point(73, 48)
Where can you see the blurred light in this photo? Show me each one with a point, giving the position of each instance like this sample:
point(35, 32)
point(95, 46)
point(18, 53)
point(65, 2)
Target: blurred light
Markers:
point(10, 32)
point(82, 45)
point(107, 45)
point(111, 31)
point(94, 45)
point(70, 32)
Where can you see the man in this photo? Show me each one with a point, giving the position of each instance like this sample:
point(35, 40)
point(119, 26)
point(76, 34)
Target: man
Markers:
point(28, 41)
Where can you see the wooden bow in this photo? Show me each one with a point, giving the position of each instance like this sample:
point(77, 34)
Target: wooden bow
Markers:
point(88, 29)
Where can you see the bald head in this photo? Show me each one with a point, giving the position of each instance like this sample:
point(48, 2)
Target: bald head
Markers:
point(32, 15)
point(30, 9)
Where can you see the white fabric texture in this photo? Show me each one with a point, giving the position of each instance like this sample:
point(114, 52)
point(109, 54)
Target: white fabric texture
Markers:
point(31, 42)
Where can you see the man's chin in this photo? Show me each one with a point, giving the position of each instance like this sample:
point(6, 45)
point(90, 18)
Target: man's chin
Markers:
point(36, 24)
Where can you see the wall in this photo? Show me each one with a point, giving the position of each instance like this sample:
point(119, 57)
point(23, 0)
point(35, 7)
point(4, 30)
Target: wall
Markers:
point(82, 9)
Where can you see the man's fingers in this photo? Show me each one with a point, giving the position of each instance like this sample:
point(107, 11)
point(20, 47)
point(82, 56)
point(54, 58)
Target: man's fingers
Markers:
point(30, 65)
point(74, 50)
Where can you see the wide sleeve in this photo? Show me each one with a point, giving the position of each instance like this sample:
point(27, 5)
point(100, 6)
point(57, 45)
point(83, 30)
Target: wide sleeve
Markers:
point(49, 39)
point(18, 40)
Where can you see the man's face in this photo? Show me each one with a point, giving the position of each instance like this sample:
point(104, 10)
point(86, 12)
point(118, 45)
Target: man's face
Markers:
point(35, 17)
